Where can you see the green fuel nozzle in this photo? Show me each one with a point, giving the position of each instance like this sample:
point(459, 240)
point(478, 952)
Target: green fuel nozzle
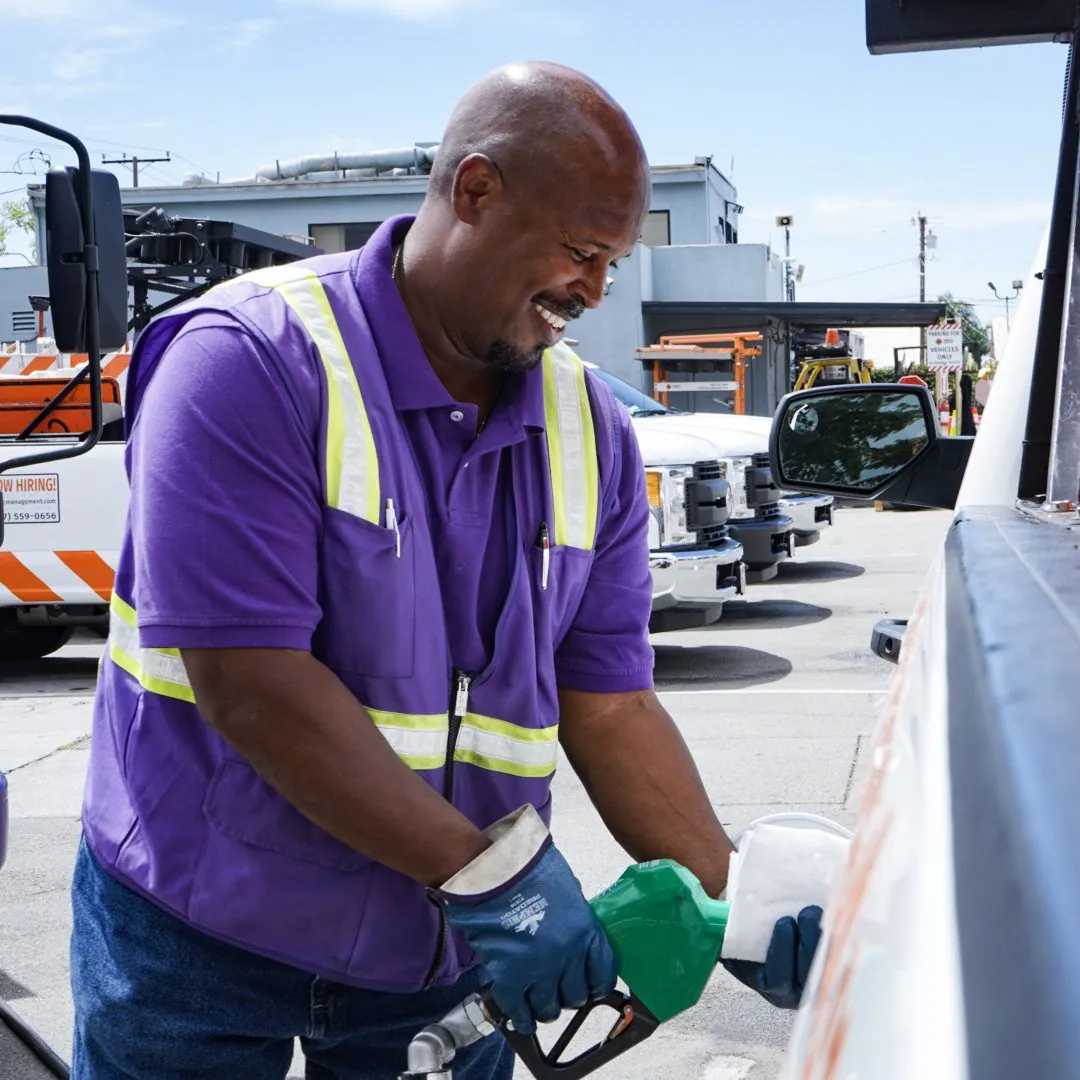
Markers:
point(667, 933)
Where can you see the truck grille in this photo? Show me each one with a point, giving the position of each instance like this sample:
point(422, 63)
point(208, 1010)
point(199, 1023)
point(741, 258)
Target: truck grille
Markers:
point(761, 493)
point(708, 470)
point(711, 535)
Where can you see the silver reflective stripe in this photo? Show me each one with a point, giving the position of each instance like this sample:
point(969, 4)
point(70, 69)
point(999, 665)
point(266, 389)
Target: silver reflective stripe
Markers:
point(160, 671)
point(493, 745)
point(352, 468)
point(571, 448)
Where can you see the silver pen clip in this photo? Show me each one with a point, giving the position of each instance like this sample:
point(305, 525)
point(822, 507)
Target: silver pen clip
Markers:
point(391, 523)
point(545, 554)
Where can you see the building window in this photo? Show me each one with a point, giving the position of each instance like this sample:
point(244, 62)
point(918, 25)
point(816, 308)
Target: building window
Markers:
point(347, 236)
point(23, 323)
point(656, 232)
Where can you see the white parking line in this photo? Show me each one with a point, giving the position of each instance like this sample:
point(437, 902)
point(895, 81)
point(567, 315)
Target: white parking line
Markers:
point(764, 691)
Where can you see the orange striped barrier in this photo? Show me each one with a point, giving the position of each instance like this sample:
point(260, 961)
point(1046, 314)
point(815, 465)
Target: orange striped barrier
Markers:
point(48, 580)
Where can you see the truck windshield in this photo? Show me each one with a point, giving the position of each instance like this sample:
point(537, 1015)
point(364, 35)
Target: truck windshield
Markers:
point(637, 403)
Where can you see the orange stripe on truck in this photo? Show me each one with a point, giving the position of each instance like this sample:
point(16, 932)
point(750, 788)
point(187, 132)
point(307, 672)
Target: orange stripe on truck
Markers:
point(40, 363)
point(21, 581)
point(92, 568)
point(117, 365)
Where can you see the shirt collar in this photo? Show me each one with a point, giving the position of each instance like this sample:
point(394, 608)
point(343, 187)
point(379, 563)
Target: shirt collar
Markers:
point(412, 382)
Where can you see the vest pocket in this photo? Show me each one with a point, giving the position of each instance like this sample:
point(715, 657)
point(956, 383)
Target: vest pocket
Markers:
point(243, 807)
point(558, 587)
point(368, 596)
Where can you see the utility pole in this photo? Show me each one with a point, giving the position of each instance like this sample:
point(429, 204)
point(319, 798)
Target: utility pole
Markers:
point(134, 163)
point(785, 221)
point(922, 277)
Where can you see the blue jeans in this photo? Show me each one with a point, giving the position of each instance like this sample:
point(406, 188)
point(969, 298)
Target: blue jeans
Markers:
point(156, 999)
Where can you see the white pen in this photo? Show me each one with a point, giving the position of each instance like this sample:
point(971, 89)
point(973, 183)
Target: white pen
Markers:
point(391, 523)
point(545, 557)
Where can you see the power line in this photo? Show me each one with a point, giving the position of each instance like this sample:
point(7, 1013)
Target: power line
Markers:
point(858, 273)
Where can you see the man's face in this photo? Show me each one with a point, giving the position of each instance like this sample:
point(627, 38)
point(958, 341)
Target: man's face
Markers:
point(539, 263)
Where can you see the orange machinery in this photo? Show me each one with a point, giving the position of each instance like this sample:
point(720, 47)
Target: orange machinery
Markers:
point(702, 353)
point(21, 399)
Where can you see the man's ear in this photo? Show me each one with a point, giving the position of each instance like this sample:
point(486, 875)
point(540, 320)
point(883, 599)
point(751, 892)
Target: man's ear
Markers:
point(478, 184)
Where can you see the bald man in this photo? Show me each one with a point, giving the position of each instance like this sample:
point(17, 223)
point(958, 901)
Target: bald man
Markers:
point(386, 551)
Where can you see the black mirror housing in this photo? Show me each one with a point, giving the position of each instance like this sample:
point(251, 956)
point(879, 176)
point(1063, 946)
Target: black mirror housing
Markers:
point(867, 441)
point(64, 255)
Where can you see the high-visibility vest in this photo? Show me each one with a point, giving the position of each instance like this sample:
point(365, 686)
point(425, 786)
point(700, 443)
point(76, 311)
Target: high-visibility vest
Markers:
point(216, 821)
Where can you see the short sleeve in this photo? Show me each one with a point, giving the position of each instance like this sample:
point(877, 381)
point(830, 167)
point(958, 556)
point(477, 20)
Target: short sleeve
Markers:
point(607, 648)
point(225, 508)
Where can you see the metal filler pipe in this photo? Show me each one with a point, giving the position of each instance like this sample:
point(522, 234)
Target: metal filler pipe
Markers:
point(430, 1053)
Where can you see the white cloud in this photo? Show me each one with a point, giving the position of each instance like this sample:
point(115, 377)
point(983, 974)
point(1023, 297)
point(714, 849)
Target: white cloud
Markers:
point(248, 31)
point(88, 39)
point(414, 10)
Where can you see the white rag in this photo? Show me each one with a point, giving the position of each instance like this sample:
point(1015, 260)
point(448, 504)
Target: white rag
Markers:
point(778, 870)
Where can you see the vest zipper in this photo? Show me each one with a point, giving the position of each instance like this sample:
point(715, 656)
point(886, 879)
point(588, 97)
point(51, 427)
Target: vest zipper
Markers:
point(459, 706)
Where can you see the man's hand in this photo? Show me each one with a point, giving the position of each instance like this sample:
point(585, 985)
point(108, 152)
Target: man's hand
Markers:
point(309, 738)
point(521, 910)
point(640, 776)
point(782, 978)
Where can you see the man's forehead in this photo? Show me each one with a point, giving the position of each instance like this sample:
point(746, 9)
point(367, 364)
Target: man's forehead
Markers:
point(609, 225)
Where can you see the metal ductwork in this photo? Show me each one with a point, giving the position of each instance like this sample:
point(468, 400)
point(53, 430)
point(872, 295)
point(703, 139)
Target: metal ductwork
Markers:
point(413, 159)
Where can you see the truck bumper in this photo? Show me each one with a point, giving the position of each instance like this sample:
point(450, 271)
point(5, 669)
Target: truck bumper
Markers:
point(766, 542)
point(696, 581)
point(811, 514)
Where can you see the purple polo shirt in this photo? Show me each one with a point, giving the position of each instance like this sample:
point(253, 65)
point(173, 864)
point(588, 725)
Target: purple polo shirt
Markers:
point(226, 501)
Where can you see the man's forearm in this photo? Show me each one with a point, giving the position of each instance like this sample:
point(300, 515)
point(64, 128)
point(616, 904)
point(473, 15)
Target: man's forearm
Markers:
point(310, 739)
point(643, 781)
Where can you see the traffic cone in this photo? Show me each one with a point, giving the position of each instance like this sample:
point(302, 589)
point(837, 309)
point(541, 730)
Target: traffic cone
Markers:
point(944, 418)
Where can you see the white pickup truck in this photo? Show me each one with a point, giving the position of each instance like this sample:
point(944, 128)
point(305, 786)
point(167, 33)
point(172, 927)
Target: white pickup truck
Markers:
point(767, 522)
point(63, 523)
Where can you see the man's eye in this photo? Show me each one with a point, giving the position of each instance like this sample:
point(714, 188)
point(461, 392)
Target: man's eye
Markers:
point(579, 255)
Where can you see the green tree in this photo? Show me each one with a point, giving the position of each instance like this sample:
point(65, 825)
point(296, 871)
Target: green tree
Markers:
point(14, 217)
point(976, 336)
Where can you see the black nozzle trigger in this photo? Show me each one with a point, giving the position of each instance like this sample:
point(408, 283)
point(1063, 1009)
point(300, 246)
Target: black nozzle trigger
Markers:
point(634, 1025)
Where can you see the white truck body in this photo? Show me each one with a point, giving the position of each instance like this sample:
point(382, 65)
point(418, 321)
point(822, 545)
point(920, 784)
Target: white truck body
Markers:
point(906, 981)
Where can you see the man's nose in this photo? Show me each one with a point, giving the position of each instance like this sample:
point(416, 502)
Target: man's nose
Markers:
point(593, 283)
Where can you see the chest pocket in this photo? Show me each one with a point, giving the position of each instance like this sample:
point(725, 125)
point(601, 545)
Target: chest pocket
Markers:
point(558, 584)
point(368, 594)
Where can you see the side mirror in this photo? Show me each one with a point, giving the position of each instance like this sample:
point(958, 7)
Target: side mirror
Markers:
point(867, 441)
point(64, 242)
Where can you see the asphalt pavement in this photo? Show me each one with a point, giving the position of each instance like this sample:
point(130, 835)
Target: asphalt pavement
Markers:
point(776, 702)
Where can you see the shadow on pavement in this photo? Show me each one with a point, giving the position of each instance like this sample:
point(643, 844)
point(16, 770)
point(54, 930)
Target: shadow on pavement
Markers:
point(733, 666)
point(819, 570)
point(51, 667)
point(775, 614)
point(11, 989)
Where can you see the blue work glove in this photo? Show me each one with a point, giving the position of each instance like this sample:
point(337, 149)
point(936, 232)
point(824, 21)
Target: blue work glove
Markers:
point(522, 912)
point(780, 980)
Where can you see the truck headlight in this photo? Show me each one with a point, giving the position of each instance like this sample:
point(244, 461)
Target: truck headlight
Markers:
point(666, 487)
point(736, 476)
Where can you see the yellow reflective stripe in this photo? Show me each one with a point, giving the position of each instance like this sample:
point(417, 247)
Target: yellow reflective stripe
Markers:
point(161, 671)
point(507, 748)
point(419, 740)
point(352, 466)
point(571, 438)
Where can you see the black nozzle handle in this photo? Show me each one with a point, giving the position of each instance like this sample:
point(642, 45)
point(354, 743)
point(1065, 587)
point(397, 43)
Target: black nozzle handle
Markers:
point(634, 1025)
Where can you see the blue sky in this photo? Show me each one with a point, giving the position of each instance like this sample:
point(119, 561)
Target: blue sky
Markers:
point(782, 93)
